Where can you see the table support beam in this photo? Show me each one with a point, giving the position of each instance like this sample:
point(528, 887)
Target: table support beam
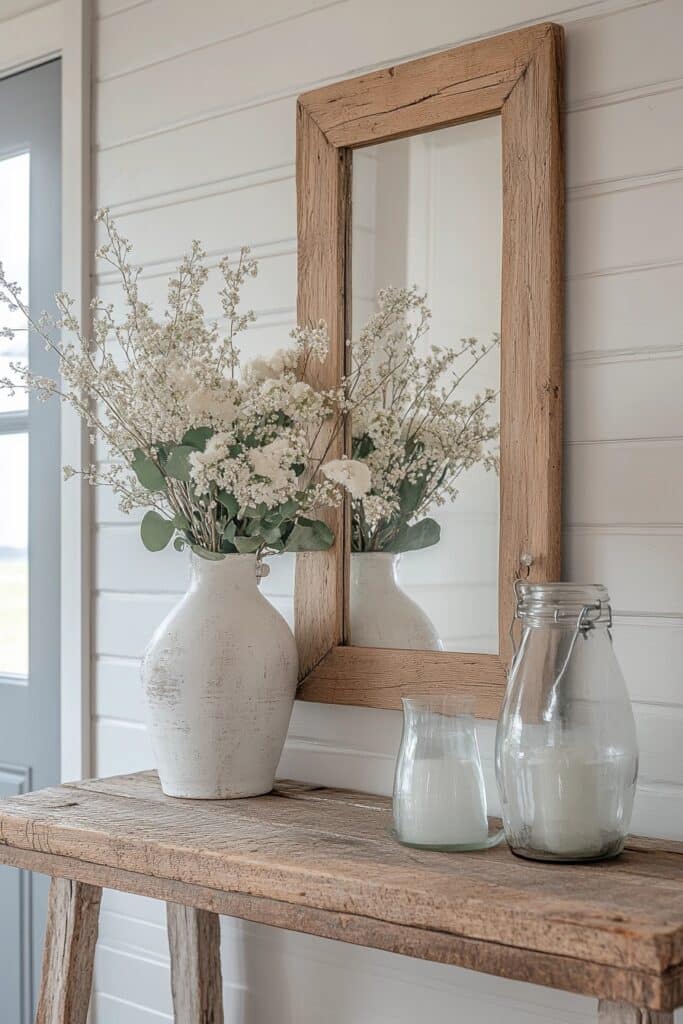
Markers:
point(194, 942)
point(70, 936)
point(624, 1013)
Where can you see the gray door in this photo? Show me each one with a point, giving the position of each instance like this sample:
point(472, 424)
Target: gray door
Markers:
point(30, 242)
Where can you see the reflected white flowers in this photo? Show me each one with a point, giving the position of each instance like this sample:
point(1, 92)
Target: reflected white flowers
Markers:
point(410, 426)
point(274, 367)
point(353, 475)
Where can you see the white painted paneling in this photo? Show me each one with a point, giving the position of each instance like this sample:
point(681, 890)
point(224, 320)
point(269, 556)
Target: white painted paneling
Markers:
point(257, 215)
point(127, 44)
point(198, 141)
point(13, 8)
point(630, 228)
point(641, 566)
point(637, 49)
point(600, 483)
point(625, 312)
point(600, 146)
point(597, 409)
point(353, 36)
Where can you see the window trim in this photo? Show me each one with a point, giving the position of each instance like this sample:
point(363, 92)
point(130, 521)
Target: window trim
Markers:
point(63, 29)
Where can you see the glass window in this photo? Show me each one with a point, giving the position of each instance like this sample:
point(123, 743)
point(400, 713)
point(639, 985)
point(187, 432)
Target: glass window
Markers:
point(14, 246)
point(15, 175)
point(14, 555)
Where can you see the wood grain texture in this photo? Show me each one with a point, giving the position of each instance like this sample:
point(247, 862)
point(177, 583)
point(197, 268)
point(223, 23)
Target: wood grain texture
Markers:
point(323, 191)
point(625, 1013)
point(194, 939)
point(442, 89)
point(68, 952)
point(324, 861)
point(516, 75)
point(531, 327)
point(374, 678)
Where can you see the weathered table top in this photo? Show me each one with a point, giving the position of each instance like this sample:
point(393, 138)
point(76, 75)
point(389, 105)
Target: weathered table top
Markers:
point(323, 861)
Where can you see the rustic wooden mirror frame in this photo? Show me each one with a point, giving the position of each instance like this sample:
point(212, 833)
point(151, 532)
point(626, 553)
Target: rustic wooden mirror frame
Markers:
point(516, 75)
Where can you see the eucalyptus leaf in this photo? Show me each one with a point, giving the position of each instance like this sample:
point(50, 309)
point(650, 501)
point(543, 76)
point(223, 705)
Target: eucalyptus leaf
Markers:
point(180, 522)
point(197, 437)
point(412, 538)
point(288, 509)
point(248, 545)
point(180, 543)
point(230, 531)
point(156, 531)
point(410, 494)
point(314, 537)
point(147, 472)
point(177, 464)
point(229, 503)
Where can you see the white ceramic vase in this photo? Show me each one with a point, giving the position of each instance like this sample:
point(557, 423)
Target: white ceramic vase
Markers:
point(382, 614)
point(219, 678)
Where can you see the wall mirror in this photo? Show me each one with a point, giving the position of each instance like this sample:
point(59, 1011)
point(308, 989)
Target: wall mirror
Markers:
point(441, 177)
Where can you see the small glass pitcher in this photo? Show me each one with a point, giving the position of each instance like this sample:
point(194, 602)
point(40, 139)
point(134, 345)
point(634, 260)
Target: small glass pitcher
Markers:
point(439, 795)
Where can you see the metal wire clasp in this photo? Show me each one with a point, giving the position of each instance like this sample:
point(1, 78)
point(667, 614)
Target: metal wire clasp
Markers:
point(525, 562)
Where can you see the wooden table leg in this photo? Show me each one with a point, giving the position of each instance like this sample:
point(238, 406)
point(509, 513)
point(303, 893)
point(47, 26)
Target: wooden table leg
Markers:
point(194, 940)
point(73, 912)
point(624, 1013)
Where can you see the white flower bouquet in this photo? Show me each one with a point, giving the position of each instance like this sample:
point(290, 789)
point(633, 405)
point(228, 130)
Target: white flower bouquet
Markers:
point(410, 429)
point(225, 457)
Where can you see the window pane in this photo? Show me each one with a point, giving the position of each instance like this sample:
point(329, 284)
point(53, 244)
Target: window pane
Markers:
point(15, 173)
point(14, 555)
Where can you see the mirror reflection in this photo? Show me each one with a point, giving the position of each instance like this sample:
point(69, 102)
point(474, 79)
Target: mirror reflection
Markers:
point(425, 300)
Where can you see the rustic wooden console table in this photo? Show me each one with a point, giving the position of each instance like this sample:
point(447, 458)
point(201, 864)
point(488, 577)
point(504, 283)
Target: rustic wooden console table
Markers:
point(323, 861)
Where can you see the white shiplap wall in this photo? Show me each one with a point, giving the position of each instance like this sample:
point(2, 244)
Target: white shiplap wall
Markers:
point(194, 120)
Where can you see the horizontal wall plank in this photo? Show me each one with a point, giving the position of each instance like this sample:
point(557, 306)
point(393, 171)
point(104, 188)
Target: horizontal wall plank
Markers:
point(231, 145)
point(624, 400)
point(121, 747)
point(625, 229)
point(142, 980)
point(635, 139)
point(113, 8)
point(272, 294)
point(609, 314)
point(13, 8)
point(233, 71)
point(641, 569)
point(629, 51)
point(619, 141)
point(124, 564)
point(117, 689)
point(124, 624)
point(650, 652)
point(620, 483)
point(322, 984)
point(133, 934)
point(133, 40)
point(255, 215)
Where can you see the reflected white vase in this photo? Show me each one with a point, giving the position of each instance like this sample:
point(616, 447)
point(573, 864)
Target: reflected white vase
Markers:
point(382, 614)
point(219, 679)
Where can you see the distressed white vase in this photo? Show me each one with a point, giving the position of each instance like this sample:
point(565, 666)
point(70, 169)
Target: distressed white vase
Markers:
point(382, 614)
point(219, 678)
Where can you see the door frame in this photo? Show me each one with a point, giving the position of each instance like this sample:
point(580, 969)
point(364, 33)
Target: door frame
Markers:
point(63, 28)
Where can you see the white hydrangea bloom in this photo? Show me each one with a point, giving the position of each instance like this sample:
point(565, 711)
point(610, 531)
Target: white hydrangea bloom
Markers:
point(353, 475)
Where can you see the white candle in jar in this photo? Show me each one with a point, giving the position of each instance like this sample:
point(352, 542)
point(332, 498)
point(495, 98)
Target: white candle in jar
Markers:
point(566, 788)
point(442, 802)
